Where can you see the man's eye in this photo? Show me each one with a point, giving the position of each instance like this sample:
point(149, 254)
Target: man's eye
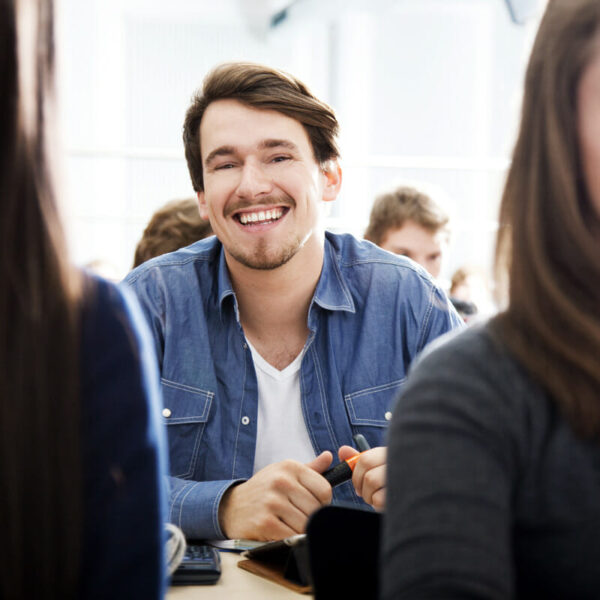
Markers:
point(277, 159)
point(224, 166)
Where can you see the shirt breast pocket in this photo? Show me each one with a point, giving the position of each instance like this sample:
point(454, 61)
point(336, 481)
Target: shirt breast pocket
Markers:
point(370, 410)
point(185, 414)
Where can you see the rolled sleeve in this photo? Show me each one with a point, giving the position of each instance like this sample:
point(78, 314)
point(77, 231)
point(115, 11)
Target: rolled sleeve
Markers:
point(194, 506)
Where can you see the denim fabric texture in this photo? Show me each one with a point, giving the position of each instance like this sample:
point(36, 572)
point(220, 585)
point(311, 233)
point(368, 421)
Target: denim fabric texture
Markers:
point(371, 313)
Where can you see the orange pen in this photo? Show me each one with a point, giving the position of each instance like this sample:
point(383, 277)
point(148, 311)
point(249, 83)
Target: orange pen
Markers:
point(344, 470)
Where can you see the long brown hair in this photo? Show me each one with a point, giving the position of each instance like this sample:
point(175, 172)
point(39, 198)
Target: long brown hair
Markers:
point(264, 88)
point(548, 243)
point(40, 456)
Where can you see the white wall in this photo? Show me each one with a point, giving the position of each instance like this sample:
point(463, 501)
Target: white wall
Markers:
point(425, 90)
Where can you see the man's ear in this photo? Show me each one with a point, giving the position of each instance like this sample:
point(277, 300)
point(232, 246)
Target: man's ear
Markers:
point(333, 180)
point(202, 209)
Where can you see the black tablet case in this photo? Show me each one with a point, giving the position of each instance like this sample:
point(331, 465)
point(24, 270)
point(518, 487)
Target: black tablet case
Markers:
point(343, 549)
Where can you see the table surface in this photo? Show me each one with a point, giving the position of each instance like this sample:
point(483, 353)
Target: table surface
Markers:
point(235, 583)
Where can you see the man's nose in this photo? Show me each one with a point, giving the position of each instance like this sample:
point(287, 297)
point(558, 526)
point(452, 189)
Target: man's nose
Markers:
point(254, 181)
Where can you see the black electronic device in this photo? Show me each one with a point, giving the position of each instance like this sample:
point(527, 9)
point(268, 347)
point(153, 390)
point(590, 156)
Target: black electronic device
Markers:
point(201, 565)
point(343, 549)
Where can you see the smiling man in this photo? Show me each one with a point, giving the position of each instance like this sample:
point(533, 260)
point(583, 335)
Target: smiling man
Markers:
point(277, 341)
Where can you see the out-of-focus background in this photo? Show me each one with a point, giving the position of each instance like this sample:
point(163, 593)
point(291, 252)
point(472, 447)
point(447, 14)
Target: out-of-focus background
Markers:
point(427, 92)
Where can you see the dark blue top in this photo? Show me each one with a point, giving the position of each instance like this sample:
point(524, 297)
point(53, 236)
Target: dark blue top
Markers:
point(123, 449)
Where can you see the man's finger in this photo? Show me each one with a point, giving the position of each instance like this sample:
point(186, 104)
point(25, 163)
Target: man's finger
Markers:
point(346, 452)
point(321, 463)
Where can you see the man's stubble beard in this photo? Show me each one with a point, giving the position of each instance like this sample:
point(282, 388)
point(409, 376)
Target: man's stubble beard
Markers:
point(264, 260)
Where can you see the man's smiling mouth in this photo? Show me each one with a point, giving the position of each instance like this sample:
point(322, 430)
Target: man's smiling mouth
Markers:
point(261, 217)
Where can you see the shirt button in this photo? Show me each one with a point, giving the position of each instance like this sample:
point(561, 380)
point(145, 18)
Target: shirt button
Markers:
point(245, 420)
point(166, 413)
point(388, 416)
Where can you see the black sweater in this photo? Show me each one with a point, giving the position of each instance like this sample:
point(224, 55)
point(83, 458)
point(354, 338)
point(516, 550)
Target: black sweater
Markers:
point(490, 493)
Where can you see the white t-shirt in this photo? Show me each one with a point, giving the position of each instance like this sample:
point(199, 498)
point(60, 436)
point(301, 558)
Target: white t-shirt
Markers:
point(281, 430)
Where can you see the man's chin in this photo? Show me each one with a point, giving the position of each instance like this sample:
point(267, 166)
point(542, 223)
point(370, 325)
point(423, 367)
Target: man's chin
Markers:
point(262, 260)
point(264, 263)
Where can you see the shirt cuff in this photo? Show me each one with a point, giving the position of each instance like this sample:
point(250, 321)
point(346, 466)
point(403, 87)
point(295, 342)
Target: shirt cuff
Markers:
point(194, 506)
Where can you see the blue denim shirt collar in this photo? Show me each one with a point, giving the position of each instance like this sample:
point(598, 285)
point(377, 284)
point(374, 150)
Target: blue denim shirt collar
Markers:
point(224, 287)
point(332, 291)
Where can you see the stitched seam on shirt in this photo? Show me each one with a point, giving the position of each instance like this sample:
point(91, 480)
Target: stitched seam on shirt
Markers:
point(380, 261)
point(207, 396)
point(359, 421)
point(186, 388)
point(377, 388)
point(175, 500)
point(215, 512)
point(237, 435)
point(183, 500)
point(322, 395)
point(185, 475)
point(194, 457)
point(426, 320)
point(307, 422)
point(348, 398)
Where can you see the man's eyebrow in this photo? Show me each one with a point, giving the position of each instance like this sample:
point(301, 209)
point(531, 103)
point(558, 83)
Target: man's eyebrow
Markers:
point(221, 151)
point(278, 144)
point(263, 145)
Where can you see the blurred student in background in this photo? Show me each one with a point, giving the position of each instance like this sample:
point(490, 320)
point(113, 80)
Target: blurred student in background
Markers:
point(81, 460)
point(493, 473)
point(470, 292)
point(407, 221)
point(174, 225)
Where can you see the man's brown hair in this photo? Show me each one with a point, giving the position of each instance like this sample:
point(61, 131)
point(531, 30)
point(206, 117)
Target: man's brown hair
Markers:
point(393, 209)
point(549, 230)
point(175, 225)
point(267, 89)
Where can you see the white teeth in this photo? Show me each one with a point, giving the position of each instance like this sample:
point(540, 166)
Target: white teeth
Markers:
point(261, 216)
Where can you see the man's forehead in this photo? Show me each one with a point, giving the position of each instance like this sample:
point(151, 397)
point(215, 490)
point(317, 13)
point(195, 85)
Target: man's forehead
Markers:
point(233, 124)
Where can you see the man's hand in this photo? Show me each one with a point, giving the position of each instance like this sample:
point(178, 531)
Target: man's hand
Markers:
point(276, 501)
point(369, 474)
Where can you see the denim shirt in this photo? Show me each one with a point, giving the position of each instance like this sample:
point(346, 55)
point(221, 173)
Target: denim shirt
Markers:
point(371, 313)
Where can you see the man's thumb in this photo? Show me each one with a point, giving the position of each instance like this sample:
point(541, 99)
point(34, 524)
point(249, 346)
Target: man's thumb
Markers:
point(322, 461)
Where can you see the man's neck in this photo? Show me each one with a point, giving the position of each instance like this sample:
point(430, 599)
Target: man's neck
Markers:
point(274, 304)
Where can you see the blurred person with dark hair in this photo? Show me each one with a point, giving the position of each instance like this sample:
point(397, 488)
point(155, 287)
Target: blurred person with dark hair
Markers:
point(174, 225)
point(81, 459)
point(493, 478)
